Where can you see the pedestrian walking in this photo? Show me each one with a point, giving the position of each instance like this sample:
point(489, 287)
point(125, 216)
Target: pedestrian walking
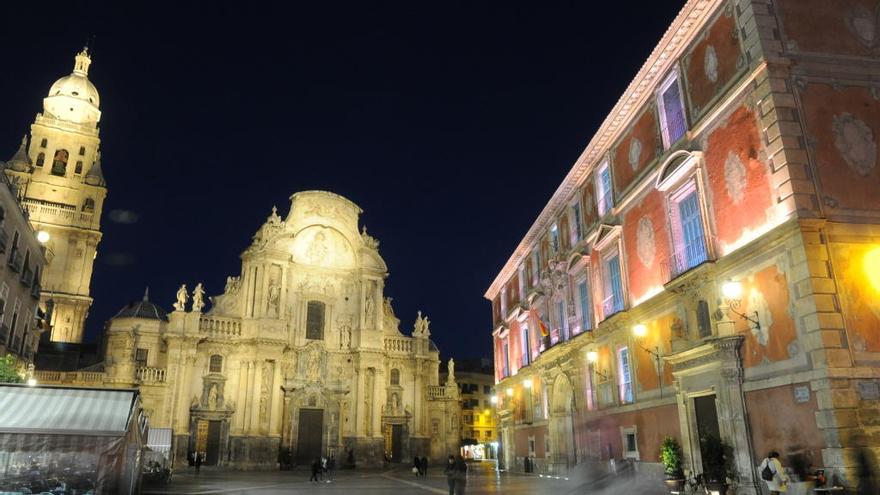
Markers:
point(331, 465)
point(417, 466)
point(773, 474)
point(460, 475)
point(198, 462)
point(451, 473)
point(316, 470)
point(424, 465)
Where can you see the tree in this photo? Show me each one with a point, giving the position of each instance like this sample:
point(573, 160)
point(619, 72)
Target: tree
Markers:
point(9, 370)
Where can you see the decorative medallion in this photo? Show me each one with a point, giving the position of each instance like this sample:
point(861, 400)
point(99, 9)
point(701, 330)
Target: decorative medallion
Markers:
point(862, 23)
point(645, 242)
point(635, 152)
point(855, 142)
point(735, 177)
point(710, 64)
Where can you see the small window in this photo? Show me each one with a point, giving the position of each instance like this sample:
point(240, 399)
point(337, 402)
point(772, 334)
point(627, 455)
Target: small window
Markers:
point(88, 205)
point(140, 357)
point(216, 364)
point(82, 151)
point(624, 376)
point(504, 303)
point(395, 376)
point(672, 119)
point(59, 163)
point(43, 143)
point(505, 353)
point(79, 167)
point(604, 200)
point(522, 282)
point(526, 346)
point(41, 158)
point(630, 443)
point(577, 226)
point(315, 320)
point(554, 238)
point(688, 233)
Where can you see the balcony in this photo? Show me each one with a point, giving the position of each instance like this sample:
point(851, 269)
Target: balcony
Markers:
point(686, 258)
point(146, 374)
point(15, 261)
point(611, 305)
point(398, 344)
point(219, 327)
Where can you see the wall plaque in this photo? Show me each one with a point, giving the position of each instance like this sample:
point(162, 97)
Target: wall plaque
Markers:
point(869, 390)
point(802, 394)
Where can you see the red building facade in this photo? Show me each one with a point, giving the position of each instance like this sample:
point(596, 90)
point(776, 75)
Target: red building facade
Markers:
point(711, 262)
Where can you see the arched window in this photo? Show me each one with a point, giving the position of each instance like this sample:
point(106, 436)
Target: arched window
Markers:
point(216, 364)
point(82, 150)
point(41, 158)
point(395, 376)
point(79, 167)
point(59, 163)
point(89, 205)
point(315, 320)
point(44, 143)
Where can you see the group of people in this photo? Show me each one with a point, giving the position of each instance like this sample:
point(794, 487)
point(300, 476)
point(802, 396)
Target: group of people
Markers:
point(197, 459)
point(420, 466)
point(323, 467)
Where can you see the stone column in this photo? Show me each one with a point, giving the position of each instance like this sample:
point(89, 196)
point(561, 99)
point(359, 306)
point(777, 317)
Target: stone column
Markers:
point(285, 418)
point(254, 398)
point(378, 401)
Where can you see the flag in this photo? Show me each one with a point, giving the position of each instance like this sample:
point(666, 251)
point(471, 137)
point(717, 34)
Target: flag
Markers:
point(541, 326)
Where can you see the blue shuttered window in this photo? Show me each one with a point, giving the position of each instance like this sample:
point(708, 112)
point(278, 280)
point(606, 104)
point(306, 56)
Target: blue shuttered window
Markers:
point(584, 297)
point(692, 236)
point(673, 114)
point(614, 287)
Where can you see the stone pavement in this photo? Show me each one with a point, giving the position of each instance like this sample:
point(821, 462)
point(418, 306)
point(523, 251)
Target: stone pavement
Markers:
point(482, 479)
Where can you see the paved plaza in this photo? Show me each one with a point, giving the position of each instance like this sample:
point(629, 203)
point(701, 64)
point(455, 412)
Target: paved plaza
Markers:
point(482, 479)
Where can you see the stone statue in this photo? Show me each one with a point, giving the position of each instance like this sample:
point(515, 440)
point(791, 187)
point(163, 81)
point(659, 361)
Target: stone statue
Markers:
point(182, 296)
point(370, 303)
point(314, 365)
point(212, 398)
point(198, 298)
point(421, 327)
point(450, 368)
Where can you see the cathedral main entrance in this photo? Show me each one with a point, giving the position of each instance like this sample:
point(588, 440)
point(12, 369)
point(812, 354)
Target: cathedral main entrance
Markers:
point(308, 442)
point(208, 440)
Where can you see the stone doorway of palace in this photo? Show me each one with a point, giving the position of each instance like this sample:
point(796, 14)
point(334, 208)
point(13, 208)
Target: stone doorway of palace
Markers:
point(394, 442)
point(308, 441)
point(562, 437)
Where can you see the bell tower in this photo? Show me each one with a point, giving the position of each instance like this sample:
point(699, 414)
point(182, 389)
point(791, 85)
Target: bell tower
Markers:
point(62, 187)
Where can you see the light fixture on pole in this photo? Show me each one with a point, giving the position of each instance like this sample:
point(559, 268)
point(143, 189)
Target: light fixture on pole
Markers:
point(31, 380)
point(494, 399)
point(509, 392)
point(640, 331)
point(527, 383)
point(593, 358)
point(732, 292)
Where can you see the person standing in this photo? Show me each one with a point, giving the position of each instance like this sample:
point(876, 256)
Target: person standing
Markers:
point(316, 468)
point(198, 462)
point(451, 474)
point(460, 475)
point(424, 465)
point(773, 474)
point(331, 465)
point(417, 466)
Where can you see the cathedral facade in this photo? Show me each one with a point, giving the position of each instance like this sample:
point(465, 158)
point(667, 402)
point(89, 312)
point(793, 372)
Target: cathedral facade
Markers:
point(300, 356)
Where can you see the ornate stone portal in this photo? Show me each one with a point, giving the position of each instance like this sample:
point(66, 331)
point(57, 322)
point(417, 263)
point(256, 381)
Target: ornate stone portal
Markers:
point(301, 355)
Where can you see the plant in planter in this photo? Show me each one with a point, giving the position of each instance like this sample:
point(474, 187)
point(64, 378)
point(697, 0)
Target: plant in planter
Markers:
point(717, 462)
point(670, 456)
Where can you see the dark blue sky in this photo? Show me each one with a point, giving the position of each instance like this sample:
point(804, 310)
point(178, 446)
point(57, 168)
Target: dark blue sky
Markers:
point(450, 123)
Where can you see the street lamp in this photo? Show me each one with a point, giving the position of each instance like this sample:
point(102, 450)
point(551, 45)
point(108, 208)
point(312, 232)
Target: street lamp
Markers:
point(494, 399)
point(527, 383)
point(732, 292)
point(43, 237)
point(640, 331)
point(593, 358)
point(509, 392)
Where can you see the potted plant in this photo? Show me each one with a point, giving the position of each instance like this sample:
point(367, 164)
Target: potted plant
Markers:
point(670, 456)
point(717, 462)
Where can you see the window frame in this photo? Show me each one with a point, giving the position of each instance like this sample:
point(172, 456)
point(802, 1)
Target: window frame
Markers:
point(604, 199)
point(625, 392)
point(555, 241)
point(577, 222)
point(672, 78)
point(323, 322)
point(625, 432)
point(584, 311)
point(137, 357)
point(525, 345)
point(211, 362)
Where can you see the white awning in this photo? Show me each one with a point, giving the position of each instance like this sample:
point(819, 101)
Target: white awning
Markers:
point(159, 438)
point(62, 410)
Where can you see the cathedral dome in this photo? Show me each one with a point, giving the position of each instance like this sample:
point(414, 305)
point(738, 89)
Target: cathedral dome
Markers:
point(73, 97)
point(143, 309)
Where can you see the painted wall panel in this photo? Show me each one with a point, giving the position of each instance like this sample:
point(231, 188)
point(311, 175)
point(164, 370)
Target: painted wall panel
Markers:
point(647, 245)
point(843, 123)
point(739, 183)
point(859, 297)
point(844, 27)
point(636, 151)
point(767, 292)
point(660, 332)
point(713, 62)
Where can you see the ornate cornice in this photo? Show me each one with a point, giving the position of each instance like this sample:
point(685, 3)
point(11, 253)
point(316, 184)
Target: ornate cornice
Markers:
point(678, 36)
point(720, 350)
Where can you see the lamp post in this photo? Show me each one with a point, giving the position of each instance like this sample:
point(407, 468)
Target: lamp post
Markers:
point(640, 331)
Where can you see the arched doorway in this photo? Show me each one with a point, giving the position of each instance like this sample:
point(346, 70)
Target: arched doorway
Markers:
point(561, 431)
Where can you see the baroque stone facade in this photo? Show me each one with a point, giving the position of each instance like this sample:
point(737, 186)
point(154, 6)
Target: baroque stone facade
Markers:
point(301, 351)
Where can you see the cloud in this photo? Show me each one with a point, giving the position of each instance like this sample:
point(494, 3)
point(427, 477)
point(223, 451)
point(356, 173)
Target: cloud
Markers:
point(119, 259)
point(123, 216)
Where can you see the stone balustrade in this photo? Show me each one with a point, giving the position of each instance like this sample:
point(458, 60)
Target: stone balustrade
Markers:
point(437, 392)
point(69, 377)
point(399, 344)
point(213, 326)
point(149, 374)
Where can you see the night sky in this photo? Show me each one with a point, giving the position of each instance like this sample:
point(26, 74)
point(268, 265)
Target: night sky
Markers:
point(449, 123)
